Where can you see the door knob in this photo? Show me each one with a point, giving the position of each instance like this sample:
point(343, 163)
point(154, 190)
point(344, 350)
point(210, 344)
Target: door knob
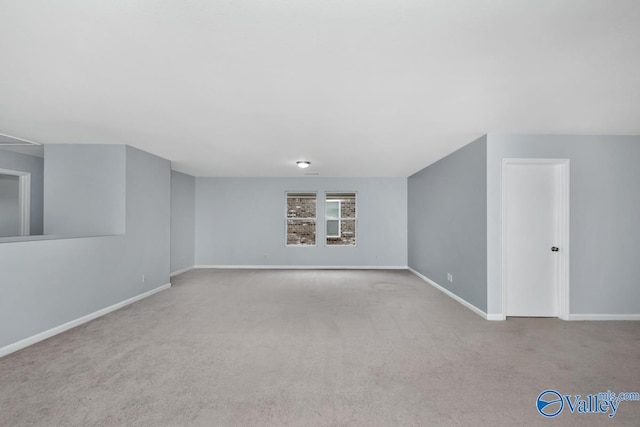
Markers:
point(554, 249)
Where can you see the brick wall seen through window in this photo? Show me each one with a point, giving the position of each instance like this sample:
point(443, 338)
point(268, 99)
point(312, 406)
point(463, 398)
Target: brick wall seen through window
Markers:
point(340, 216)
point(301, 219)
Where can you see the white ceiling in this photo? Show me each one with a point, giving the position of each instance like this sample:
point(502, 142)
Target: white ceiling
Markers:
point(358, 87)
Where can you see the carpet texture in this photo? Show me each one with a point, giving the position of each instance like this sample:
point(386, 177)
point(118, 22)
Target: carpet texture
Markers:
point(314, 348)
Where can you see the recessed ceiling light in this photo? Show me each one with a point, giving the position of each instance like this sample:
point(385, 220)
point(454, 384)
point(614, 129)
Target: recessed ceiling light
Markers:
point(303, 164)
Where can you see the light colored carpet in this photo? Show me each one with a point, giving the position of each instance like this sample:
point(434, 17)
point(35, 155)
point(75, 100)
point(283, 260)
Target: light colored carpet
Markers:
point(314, 348)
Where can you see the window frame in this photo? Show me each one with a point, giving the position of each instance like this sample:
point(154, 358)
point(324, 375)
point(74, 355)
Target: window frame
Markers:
point(354, 219)
point(326, 218)
point(287, 218)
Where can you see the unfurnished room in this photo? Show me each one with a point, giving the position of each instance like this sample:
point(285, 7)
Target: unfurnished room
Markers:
point(319, 213)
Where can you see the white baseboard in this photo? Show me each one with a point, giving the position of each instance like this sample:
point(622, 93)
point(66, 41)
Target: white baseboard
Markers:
point(182, 270)
point(457, 298)
point(604, 316)
point(307, 267)
point(77, 322)
point(494, 316)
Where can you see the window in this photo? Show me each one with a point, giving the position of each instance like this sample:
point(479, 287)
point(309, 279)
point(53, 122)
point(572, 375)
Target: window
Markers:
point(333, 218)
point(340, 216)
point(301, 219)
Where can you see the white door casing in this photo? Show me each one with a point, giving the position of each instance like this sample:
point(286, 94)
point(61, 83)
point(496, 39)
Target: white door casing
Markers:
point(535, 219)
point(24, 199)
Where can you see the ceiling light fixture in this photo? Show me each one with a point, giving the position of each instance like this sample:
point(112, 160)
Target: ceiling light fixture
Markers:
point(303, 164)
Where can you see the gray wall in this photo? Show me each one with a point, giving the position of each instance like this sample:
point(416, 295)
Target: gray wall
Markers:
point(604, 218)
point(47, 283)
point(241, 221)
point(9, 205)
point(447, 220)
point(183, 216)
point(35, 166)
point(85, 187)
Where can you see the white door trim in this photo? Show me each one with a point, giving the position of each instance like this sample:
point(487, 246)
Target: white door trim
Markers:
point(563, 203)
point(24, 199)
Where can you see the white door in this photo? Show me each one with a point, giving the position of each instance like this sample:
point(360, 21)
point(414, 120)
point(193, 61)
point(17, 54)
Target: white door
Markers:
point(533, 229)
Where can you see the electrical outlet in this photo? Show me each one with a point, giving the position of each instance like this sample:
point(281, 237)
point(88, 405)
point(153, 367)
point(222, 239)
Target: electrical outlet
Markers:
point(450, 277)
